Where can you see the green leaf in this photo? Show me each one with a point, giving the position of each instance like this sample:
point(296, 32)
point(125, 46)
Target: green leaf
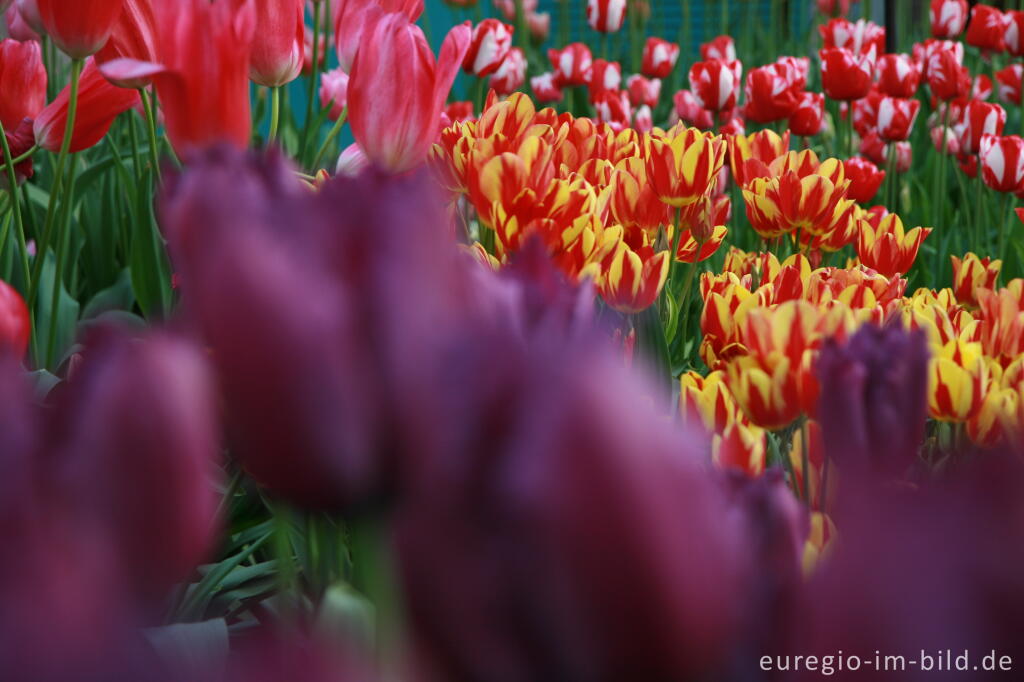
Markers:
point(150, 270)
point(67, 312)
point(118, 296)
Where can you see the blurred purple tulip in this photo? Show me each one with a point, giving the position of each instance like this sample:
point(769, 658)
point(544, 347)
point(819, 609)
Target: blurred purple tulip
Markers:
point(873, 400)
point(566, 531)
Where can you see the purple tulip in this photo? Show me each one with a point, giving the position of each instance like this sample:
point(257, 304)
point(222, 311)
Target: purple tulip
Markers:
point(873, 401)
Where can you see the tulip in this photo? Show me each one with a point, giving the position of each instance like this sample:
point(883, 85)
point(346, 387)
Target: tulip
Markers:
point(981, 118)
point(79, 28)
point(350, 19)
point(1009, 84)
point(643, 119)
point(1012, 37)
point(351, 161)
point(17, 27)
point(723, 47)
point(809, 118)
point(715, 84)
point(20, 140)
point(278, 42)
point(873, 402)
point(397, 130)
point(763, 146)
point(958, 381)
point(898, 76)
point(773, 92)
point(545, 88)
point(947, 78)
point(987, 28)
point(689, 110)
point(643, 91)
point(862, 38)
point(634, 279)
point(137, 430)
point(896, 118)
point(133, 37)
point(613, 108)
point(22, 82)
point(99, 103)
point(887, 248)
point(973, 273)
point(844, 75)
point(508, 8)
point(948, 17)
point(682, 169)
point(539, 24)
point(1002, 162)
point(15, 325)
point(659, 58)
point(865, 179)
point(199, 42)
point(571, 64)
point(490, 43)
point(945, 140)
point(29, 12)
point(511, 75)
point(606, 16)
point(334, 92)
point(604, 77)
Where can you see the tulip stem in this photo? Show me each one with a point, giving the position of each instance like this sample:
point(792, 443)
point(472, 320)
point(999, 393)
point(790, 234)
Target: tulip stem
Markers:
point(979, 223)
point(12, 190)
point(331, 136)
point(275, 113)
point(314, 72)
point(149, 106)
point(67, 207)
point(18, 159)
point(55, 189)
point(1006, 219)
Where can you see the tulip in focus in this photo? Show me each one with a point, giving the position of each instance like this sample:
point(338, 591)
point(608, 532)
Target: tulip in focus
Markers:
point(278, 42)
point(948, 17)
point(987, 28)
point(959, 379)
point(490, 43)
point(1002, 162)
point(634, 278)
point(865, 179)
point(683, 168)
point(79, 27)
point(397, 91)
point(606, 16)
point(972, 273)
point(22, 82)
point(99, 103)
point(887, 248)
point(659, 58)
point(15, 326)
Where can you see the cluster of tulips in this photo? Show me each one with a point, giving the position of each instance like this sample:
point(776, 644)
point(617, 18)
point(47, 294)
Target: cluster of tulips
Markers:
point(547, 373)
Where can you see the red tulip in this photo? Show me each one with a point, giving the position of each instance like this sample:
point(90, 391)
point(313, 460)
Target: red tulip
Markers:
point(723, 47)
point(865, 179)
point(133, 37)
point(1002, 162)
point(981, 88)
point(199, 43)
point(459, 111)
point(1012, 36)
point(334, 92)
point(896, 117)
point(773, 91)
point(79, 27)
point(606, 16)
point(278, 42)
point(659, 58)
point(22, 82)
point(643, 119)
point(571, 64)
point(643, 90)
point(809, 118)
point(981, 118)
point(860, 37)
point(844, 75)
point(613, 108)
point(29, 11)
point(865, 112)
point(20, 139)
point(987, 28)
point(898, 75)
point(15, 326)
point(716, 84)
point(545, 88)
point(99, 103)
point(948, 17)
point(604, 77)
point(947, 79)
point(945, 140)
point(1009, 84)
point(511, 75)
point(488, 47)
point(350, 17)
point(397, 91)
point(539, 24)
point(690, 111)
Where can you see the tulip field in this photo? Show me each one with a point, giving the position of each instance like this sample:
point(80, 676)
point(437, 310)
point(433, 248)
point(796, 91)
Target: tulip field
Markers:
point(541, 340)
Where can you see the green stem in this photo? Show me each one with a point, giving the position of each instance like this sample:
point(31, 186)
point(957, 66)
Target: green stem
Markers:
point(275, 113)
point(62, 248)
point(331, 136)
point(149, 106)
point(979, 198)
point(58, 179)
point(15, 161)
point(311, 101)
point(12, 189)
point(1007, 217)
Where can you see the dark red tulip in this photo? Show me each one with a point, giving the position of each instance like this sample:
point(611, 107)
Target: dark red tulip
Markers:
point(987, 29)
point(80, 27)
point(809, 118)
point(845, 76)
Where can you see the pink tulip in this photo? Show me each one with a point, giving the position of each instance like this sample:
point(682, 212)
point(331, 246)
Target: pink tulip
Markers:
point(334, 92)
point(278, 42)
point(350, 20)
point(397, 91)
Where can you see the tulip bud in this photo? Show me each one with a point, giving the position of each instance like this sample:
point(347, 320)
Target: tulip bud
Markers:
point(22, 82)
point(351, 161)
point(659, 58)
point(278, 42)
point(334, 92)
point(488, 47)
point(79, 28)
